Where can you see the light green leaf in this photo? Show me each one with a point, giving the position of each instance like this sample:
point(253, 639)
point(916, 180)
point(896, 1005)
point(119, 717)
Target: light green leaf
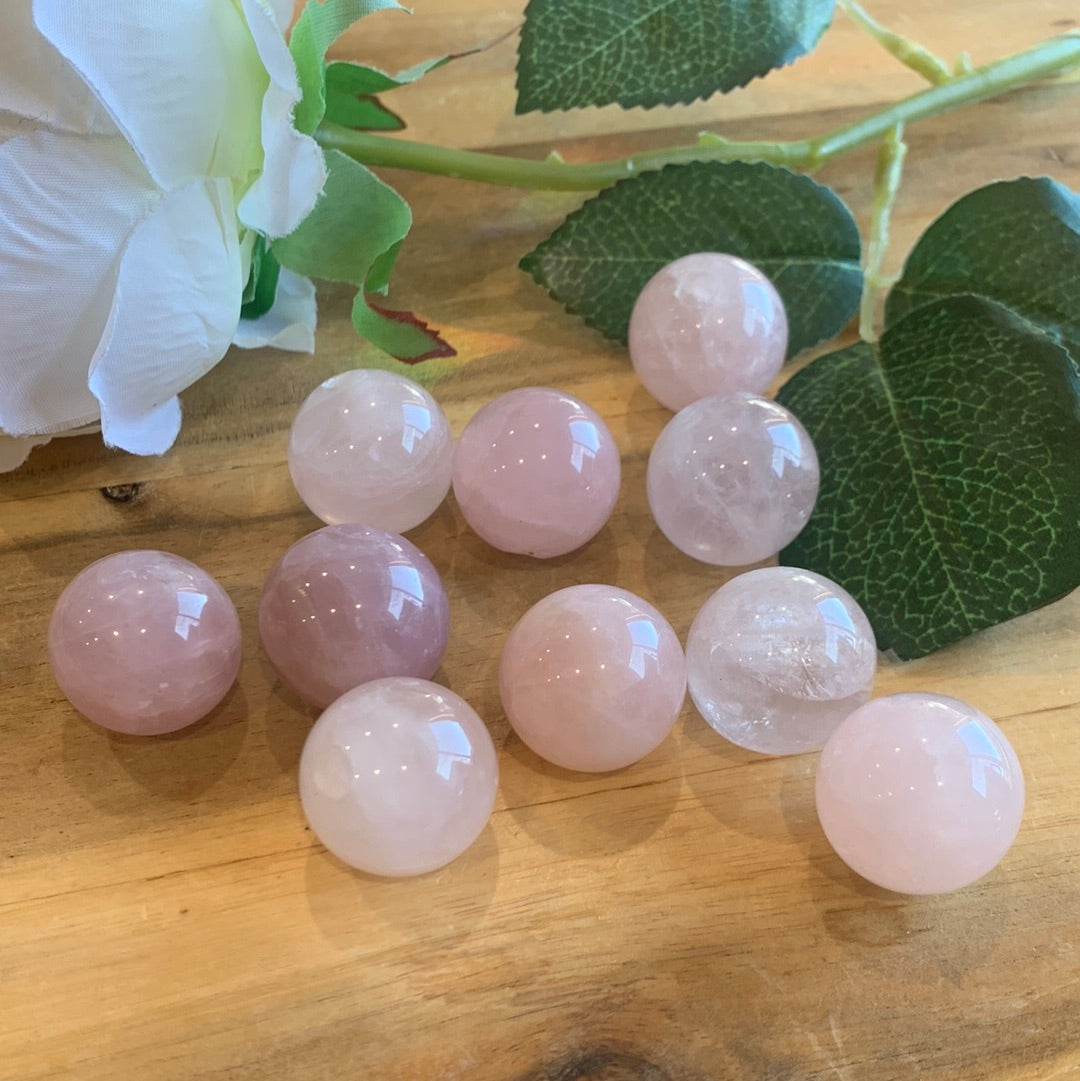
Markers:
point(320, 24)
point(575, 53)
point(797, 232)
point(1016, 242)
point(348, 237)
point(950, 489)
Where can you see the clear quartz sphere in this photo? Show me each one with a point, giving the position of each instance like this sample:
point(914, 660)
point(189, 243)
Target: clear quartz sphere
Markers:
point(144, 642)
point(919, 793)
point(706, 324)
point(371, 447)
point(732, 479)
point(536, 472)
point(592, 678)
point(398, 777)
point(778, 657)
point(351, 603)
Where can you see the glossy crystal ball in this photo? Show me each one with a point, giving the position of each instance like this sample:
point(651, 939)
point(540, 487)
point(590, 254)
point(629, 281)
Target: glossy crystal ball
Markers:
point(706, 324)
point(536, 472)
point(592, 678)
point(351, 603)
point(371, 447)
point(919, 793)
point(778, 657)
point(398, 777)
point(732, 479)
point(144, 642)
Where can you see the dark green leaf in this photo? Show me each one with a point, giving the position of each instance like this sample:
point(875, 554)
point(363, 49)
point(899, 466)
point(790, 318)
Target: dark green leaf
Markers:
point(320, 24)
point(950, 491)
point(348, 237)
point(796, 231)
point(575, 53)
point(1016, 242)
point(261, 289)
point(360, 113)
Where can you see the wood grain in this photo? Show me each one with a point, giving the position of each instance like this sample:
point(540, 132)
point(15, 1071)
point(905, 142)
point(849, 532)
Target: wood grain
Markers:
point(166, 915)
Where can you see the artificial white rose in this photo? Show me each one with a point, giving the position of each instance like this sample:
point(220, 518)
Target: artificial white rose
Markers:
point(143, 145)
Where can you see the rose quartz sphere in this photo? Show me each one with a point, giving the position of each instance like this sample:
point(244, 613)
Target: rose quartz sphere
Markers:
point(919, 793)
point(707, 324)
point(732, 479)
point(398, 777)
point(536, 472)
point(144, 642)
point(351, 603)
point(372, 447)
point(778, 657)
point(592, 678)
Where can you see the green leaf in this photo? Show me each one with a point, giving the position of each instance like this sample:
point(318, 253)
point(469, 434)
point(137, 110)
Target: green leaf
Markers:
point(351, 90)
point(575, 53)
point(349, 237)
point(360, 113)
point(261, 289)
point(950, 485)
point(320, 24)
point(797, 232)
point(1016, 242)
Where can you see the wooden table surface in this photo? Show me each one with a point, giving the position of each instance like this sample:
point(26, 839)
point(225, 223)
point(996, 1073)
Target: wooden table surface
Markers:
point(164, 912)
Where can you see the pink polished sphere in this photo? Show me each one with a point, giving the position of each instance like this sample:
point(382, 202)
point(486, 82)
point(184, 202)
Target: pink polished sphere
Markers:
point(536, 472)
point(373, 447)
point(351, 603)
point(733, 479)
point(592, 678)
point(398, 777)
point(778, 657)
point(707, 324)
point(919, 793)
point(144, 642)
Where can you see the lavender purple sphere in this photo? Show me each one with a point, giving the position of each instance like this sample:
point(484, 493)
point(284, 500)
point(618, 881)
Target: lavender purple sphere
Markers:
point(351, 603)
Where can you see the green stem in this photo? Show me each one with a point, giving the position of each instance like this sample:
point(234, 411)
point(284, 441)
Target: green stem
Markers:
point(886, 185)
point(910, 53)
point(1048, 58)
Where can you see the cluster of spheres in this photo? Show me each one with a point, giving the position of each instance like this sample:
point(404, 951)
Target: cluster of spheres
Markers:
point(916, 792)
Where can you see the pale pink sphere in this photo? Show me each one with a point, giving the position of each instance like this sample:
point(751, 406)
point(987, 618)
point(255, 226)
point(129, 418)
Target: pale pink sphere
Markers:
point(351, 603)
point(778, 657)
point(398, 777)
point(372, 447)
point(706, 324)
point(592, 678)
point(919, 793)
point(536, 472)
point(144, 642)
point(732, 479)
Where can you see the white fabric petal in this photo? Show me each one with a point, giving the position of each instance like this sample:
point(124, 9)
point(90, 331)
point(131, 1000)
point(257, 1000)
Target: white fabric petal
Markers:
point(36, 82)
point(289, 324)
point(182, 80)
point(14, 450)
point(283, 13)
point(176, 306)
point(69, 204)
point(294, 170)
